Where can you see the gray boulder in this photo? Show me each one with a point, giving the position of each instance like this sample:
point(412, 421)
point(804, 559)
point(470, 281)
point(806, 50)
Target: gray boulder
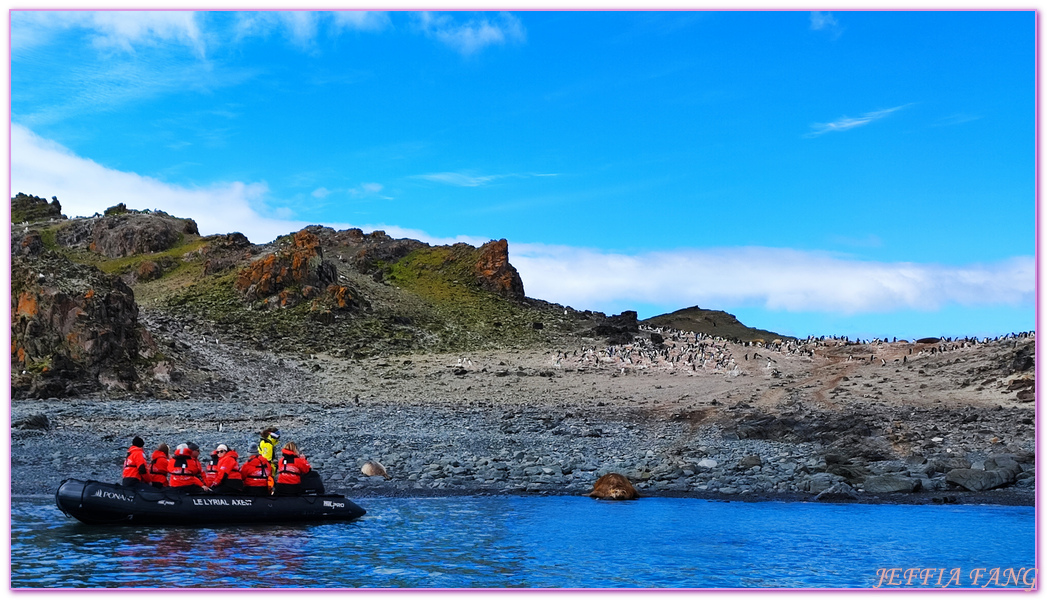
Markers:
point(890, 484)
point(819, 482)
point(837, 492)
point(977, 480)
point(752, 460)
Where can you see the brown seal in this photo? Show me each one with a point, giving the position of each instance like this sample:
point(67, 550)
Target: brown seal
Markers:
point(373, 468)
point(613, 486)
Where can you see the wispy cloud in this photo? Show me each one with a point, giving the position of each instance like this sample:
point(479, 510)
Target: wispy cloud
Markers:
point(469, 180)
point(825, 21)
point(777, 279)
point(128, 31)
point(299, 27)
point(460, 179)
point(474, 35)
point(361, 20)
point(845, 123)
point(955, 119)
point(364, 190)
point(123, 31)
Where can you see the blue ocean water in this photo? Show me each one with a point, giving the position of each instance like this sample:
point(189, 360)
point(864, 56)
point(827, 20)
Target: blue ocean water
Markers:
point(543, 542)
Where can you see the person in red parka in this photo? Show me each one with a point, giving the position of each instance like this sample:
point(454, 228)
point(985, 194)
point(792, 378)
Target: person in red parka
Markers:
point(211, 470)
point(255, 474)
point(292, 467)
point(227, 479)
point(184, 469)
point(135, 467)
point(158, 466)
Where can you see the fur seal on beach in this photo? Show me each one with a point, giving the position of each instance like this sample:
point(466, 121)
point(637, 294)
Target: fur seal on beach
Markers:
point(613, 486)
point(373, 468)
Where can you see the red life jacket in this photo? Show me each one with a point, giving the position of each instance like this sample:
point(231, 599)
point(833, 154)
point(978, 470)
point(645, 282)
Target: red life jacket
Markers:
point(184, 470)
point(227, 468)
point(134, 464)
point(255, 472)
point(211, 471)
point(158, 468)
point(292, 467)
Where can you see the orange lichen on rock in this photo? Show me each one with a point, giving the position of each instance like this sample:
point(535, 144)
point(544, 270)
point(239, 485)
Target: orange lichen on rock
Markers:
point(494, 272)
point(302, 264)
point(89, 294)
point(613, 486)
point(27, 306)
point(343, 296)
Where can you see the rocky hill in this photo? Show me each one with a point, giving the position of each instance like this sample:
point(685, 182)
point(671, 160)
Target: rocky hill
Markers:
point(713, 322)
point(95, 300)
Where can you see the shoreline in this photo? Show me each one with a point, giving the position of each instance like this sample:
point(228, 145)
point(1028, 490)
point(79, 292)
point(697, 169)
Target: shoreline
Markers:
point(518, 422)
point(1000, 498)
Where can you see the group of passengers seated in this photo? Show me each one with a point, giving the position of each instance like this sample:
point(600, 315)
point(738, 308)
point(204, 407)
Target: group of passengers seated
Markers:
point(263, 474)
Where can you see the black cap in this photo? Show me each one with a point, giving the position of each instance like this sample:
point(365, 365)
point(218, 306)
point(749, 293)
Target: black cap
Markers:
point(138, 441)
point(193, 446)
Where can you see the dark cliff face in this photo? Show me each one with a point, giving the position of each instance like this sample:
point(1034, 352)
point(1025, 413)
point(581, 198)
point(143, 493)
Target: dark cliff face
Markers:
point(74, 329)
point(495, 274)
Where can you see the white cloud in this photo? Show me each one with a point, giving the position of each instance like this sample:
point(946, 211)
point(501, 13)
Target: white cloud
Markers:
point(474, 35)
point(120, 30)
point(777, 279)
point(300, 27)
point(43, 168)
point(321, 192)
point(361, 20)
point(844, 123)
point(468, 180)
point(368, 189)
point(822, 20)
point(460, 179)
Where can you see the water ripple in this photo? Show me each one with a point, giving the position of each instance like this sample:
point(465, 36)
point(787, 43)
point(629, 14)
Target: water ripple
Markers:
point(548, 542)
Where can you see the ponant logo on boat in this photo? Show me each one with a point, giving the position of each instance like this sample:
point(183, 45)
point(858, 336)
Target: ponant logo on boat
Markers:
point(112, 496)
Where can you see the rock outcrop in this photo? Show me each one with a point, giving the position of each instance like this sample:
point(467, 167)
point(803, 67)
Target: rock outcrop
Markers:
point(495, 274)
point(999, 471)
point(289, 276)
point(617, 329)
point(74, 329)
point(368, 253)
point(129, 234)
point(301, 265)
point(29, 209)
point(125, 233)
point(890, 484)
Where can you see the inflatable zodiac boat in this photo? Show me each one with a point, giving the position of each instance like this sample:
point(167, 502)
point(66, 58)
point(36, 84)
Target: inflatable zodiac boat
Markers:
point(96, 502)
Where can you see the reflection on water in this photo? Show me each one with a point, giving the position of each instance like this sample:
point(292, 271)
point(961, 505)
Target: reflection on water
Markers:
point(499, 542)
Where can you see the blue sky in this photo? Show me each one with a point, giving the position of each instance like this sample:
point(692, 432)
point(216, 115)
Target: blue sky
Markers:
point(848, 173)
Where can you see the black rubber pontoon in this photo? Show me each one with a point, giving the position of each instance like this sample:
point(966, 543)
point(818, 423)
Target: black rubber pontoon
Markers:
point(96, 502)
